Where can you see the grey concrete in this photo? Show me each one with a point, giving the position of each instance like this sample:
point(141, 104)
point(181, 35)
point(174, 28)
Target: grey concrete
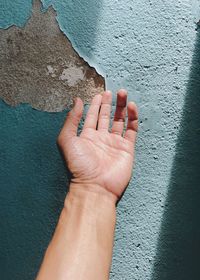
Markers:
point(39, 65)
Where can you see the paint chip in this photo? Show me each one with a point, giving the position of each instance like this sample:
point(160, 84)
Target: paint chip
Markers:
point(39, 65)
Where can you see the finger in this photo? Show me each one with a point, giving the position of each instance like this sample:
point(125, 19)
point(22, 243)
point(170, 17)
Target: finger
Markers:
point(72, 121)
point(104, 115)
point(93, 112)
point(120, 112)
point(132, 123)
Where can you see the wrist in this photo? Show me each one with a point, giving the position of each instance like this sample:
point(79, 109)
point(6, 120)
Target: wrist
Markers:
point(90, 192)
point(89, 202)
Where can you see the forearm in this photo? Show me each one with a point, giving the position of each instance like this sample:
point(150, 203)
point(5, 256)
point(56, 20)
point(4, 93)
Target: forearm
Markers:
point(81, 248)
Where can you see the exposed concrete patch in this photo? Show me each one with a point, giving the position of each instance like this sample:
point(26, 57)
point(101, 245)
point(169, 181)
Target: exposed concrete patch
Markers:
point(39, 65)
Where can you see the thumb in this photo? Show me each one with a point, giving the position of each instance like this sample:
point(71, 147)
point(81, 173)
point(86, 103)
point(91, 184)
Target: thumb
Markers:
point(72, 121)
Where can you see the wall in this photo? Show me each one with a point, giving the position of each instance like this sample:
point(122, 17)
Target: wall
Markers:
point(150, 47)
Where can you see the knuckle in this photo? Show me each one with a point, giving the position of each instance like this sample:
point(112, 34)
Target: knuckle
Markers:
point(60, 140)
point(90, 114)
point(136, 125)
point(70, 115)
point(74, 117)
point(104, 116)
point(119, 119)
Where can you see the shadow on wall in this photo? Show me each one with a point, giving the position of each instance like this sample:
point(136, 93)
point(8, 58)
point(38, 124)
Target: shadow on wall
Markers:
point(178, 251)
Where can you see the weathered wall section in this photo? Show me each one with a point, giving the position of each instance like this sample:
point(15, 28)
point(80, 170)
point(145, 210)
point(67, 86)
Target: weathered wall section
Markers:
point(150, 47)
point(39, 65)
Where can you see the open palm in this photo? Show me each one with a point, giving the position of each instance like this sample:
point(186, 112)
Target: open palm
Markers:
point(99, 157)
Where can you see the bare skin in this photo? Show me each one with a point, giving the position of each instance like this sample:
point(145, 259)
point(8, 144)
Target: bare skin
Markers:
point(101, 163)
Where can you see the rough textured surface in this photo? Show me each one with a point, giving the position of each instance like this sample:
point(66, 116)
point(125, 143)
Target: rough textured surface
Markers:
point(151, 47)
point(179, 238)
point(196, 10)
point(39, 65)
point(33, 187)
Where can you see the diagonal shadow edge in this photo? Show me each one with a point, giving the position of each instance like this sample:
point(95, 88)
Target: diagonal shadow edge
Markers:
point(178, 248)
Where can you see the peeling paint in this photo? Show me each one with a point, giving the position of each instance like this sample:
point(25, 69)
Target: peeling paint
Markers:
point(39, 65)
point(152, 61)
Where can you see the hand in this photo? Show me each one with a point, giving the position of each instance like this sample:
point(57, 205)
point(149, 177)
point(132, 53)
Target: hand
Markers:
point(99, 158)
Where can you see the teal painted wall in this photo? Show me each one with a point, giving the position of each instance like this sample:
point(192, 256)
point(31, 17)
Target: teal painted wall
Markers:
point(152, 49)
point(33, 185)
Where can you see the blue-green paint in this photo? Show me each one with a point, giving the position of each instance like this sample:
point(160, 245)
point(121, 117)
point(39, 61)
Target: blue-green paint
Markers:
point(147, 47)
point(179, 239)
point(33, 185)
point(14, 12)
